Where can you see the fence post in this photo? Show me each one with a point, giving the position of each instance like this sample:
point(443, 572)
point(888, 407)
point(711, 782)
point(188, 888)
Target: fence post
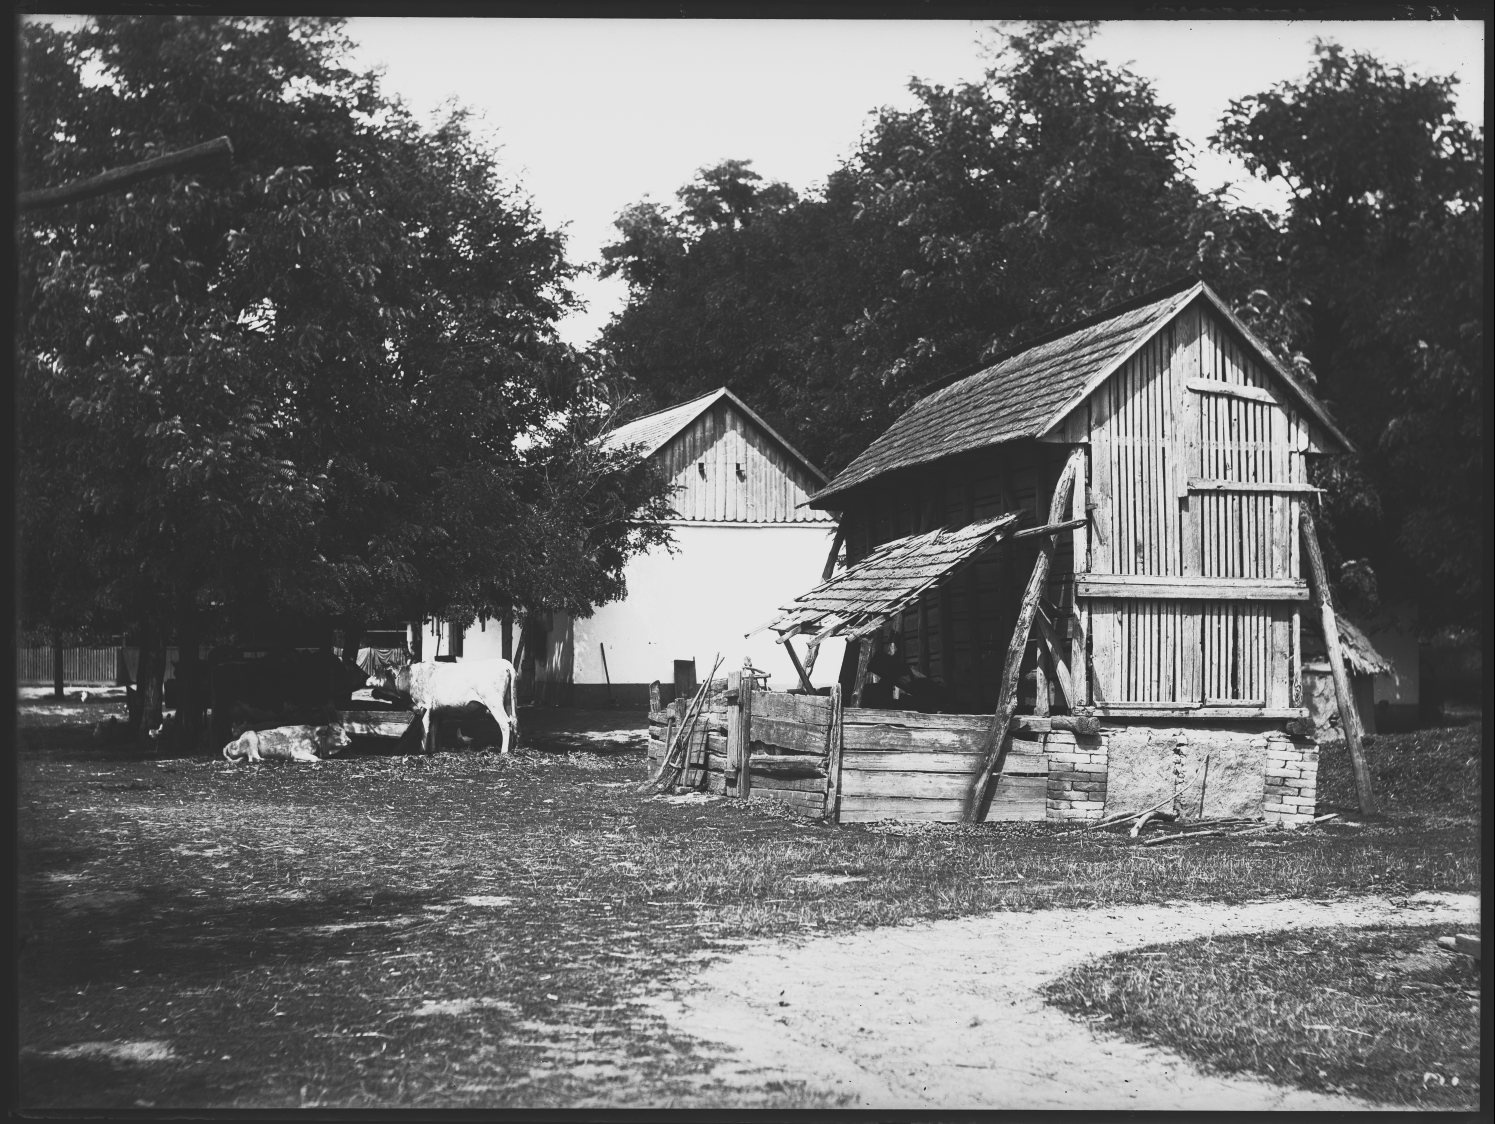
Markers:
point(745, 731)
point(833, 759)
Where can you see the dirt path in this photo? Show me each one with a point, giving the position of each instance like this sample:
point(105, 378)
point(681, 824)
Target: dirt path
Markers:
point(947, 1014)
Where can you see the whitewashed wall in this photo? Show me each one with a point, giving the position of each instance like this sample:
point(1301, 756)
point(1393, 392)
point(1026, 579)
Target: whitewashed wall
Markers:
point(722, 581)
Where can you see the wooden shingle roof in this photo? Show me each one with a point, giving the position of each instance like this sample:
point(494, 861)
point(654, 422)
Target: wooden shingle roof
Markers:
point(860, 598)
point(1360, 655)
point(1027, 392)
point(652, 432)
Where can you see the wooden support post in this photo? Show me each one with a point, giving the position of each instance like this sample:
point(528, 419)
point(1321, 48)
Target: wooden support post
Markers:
point(995, 747)
point(804, 678)
point(735, 683)
point(745, 730)
point(1054, 648)
point(833, 759)
point(1349, 717)
point(830, 562)
point(865, 645)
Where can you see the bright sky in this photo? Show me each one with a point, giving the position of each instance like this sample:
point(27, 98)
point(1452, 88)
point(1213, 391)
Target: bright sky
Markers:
point(594, 114)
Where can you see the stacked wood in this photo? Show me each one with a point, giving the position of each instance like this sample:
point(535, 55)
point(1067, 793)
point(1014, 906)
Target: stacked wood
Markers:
point(707, 736)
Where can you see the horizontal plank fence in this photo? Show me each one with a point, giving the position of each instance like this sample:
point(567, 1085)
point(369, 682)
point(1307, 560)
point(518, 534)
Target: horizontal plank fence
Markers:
point(812, 757)
point(905, 765)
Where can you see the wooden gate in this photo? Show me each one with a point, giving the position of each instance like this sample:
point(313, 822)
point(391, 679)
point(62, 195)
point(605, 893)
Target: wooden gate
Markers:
point(786, 748)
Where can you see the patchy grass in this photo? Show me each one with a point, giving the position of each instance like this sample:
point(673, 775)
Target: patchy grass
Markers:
point(1385, 1014)
point(1424, 774)
point(469, 930)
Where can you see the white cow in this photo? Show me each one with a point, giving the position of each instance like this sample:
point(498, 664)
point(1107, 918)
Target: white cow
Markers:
point(455, 686)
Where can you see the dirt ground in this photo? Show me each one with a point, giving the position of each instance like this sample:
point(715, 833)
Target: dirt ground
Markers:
point(554, 1002)
point(947, 1015)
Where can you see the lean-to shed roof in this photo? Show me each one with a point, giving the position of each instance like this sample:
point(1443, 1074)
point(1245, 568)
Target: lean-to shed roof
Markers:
point(1360, 655)
point(653, 431)
point(1029, 391)
point(861, 597)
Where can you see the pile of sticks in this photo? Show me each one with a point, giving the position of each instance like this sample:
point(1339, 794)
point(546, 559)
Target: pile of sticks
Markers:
point(672, 764)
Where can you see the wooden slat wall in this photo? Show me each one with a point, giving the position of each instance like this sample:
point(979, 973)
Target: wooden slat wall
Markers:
point(34, 666)
point(720, 440)
point(908, 766)
point(1149, 434)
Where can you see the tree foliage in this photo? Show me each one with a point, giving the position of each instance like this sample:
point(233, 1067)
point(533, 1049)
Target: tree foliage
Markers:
point(1381, 247)
point(994, 211)
point(990, 212)
point(323, 383)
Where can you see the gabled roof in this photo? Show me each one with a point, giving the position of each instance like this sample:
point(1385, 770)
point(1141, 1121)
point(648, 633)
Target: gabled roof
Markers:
point(652, 432)
point(861, 597)
point(1029, 391)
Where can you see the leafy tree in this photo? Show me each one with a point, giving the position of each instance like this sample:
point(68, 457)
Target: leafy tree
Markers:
point(1381, 248)
point(324, 385)
point(990, 212)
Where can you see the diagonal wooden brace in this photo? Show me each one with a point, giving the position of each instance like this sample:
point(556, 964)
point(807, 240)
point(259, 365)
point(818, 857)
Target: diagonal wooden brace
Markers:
point(978, 800)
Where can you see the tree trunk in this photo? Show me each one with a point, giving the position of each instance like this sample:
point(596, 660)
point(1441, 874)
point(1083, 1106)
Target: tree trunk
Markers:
point(191, 693)
point(150, 679)
point(341, 695)
point(58, 676)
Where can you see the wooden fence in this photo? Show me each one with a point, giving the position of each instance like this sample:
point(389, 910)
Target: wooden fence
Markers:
point(904, 765)
point(815, 757)
point(81, 667)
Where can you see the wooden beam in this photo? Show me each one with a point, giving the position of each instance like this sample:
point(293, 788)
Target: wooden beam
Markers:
point(1173, 710)
point(1284, 487)
point(1054, 646)
point(744, 731)
point(787, 766)
point(1349, 717)
point(994, 749)
point(116, 179)
point(1178, 587)
point(1233, 390)
point(804, 678)
point(830, 562)
point(865, 645)
point(1050, 528)
point(833, 756)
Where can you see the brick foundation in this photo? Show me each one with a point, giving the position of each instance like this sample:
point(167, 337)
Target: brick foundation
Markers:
point(1290, 791)
point(1077, 776)
point(1287, 767)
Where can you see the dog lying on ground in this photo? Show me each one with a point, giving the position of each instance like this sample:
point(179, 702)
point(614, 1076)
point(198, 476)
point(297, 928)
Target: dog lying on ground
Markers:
point(306, 744)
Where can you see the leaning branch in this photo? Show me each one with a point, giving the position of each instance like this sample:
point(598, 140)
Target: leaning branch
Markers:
point(116, 179)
